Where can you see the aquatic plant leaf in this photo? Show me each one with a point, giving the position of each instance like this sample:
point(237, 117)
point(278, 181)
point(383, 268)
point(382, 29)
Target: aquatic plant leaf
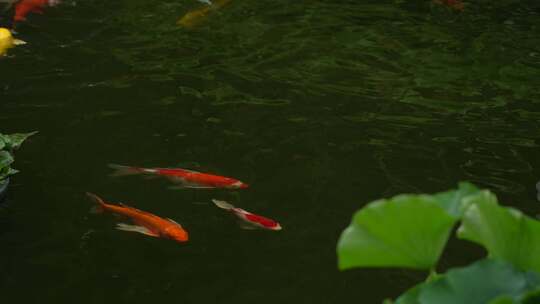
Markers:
point(5, 159)
point(405, 231)
point(3, 141)
point(486, 281)
point(453, 200)
point(505, 232)
point(14, 141)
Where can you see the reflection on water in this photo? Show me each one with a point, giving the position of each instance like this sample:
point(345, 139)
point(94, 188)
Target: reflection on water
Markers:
point(321, 106)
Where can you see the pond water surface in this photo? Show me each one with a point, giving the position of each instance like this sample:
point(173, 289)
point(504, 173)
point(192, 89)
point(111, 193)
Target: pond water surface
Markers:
point(321, 106)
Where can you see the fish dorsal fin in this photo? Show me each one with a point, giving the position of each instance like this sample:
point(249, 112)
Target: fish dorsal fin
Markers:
point(129, 207)
point(188, 170)
point(178, 169)
point(174, 222)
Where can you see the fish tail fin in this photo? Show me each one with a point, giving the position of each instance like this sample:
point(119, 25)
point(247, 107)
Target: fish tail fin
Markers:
point(222, 204)
point(19, 42)
point(127, 170)
point(100, 204)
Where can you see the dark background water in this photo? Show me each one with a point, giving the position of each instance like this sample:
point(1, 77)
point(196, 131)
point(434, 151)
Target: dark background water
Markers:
point(321, 106)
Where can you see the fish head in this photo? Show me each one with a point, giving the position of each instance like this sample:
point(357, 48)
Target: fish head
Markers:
point(178, 234)
point(238, 185)
point(276, 227)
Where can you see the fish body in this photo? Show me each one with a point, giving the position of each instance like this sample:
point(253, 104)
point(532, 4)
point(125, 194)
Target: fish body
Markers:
point(188, 178)
point(250, 220)
point(146, 223)
point(25, 7)
point(194, 17)
point(7, 41)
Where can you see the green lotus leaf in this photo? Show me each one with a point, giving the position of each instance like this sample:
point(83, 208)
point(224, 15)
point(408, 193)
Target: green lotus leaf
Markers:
point(453, 200)
point(505, 232)
point(484, 282)
point(406, 231)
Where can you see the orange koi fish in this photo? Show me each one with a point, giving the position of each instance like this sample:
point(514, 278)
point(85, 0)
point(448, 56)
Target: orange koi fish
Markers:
point(249, 220)
point(187, 178)
point(195, 17)
point(25, 7)
point(146, 223)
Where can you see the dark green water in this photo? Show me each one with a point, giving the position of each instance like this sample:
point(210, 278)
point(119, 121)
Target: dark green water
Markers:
point(321, 106)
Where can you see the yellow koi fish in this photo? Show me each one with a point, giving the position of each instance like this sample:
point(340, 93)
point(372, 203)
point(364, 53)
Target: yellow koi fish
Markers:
point(7, 41)
point(195, 17)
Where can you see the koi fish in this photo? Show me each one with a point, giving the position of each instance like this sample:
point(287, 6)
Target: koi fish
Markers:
point(25, 7)
point(7, 41)
point(454, 4)
point(146, 223)
point(249, 220)
point(195, 17)
point(187, 178)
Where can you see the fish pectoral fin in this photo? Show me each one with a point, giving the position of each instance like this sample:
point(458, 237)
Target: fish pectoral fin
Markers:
point(134, 228)
point(198, 187)
point(180, 187)
point(246, 225)
point(190, 186)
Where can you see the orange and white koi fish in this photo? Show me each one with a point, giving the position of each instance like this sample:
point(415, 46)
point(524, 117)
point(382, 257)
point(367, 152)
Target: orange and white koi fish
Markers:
point(249, 220)
point(187, 178)
point(146, 223)
point(195, 17)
